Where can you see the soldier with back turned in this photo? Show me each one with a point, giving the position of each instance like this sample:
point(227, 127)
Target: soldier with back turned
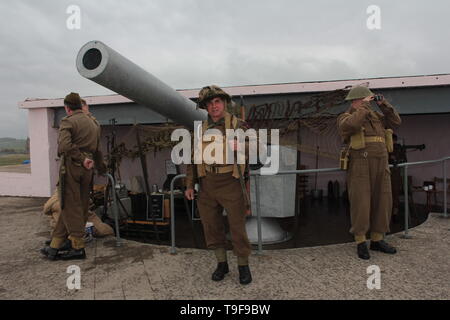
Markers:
point(78, 141)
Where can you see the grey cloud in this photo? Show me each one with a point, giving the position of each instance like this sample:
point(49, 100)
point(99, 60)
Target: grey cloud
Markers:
point(189, 43)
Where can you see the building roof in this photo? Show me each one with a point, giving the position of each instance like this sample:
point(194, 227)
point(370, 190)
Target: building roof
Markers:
point(270, 89)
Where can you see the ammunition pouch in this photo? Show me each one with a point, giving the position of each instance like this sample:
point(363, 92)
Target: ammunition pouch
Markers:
point(389, 140)
point(343, 159)
point(357, 141)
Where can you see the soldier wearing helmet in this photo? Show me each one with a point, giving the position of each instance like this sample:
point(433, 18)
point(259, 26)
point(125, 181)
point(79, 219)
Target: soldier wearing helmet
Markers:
point(369, 136)
point(221, 188)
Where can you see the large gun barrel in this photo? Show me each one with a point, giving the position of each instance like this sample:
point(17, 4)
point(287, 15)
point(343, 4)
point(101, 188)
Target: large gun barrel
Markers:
point(101, 64)
point(416, 146)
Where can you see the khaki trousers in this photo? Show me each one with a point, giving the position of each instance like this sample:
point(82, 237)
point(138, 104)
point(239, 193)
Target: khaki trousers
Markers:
point(72, 221)
point(369, 190)
point(218, 192)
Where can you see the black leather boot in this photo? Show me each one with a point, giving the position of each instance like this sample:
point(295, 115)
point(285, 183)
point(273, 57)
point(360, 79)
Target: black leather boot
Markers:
point(382, 246)
point(220, 272)
point(363, 252)
point(73, 254)
point(66, 245)
point(50, 253)
point(245, 276)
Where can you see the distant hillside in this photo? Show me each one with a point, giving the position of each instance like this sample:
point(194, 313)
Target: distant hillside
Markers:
point(13, 144)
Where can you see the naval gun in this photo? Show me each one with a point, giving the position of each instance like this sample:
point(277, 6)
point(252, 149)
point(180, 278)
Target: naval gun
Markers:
point(103, 65)
point(99, 63)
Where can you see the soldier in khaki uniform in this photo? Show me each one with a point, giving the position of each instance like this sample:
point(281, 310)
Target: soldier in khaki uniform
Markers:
point(101, 170)
point(98, 155)
point(220, 188)
point(78, 140)
point(368, 177)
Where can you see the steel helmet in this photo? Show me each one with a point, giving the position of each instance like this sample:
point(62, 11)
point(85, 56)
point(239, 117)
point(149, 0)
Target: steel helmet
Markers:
point(211, 92)
point(359, 92)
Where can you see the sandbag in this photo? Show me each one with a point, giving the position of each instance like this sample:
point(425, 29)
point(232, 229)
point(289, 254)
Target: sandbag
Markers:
point(52, 204)
point(101, 229)
point(53, 210)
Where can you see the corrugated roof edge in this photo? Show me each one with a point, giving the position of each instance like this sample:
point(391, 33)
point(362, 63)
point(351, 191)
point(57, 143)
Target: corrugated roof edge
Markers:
point(264, 89)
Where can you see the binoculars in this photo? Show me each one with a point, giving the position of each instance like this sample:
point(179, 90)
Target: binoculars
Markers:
point(378, 97)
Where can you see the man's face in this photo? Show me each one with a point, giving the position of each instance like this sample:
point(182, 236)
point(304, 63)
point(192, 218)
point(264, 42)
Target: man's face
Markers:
point(216, 108)
point(357, 103)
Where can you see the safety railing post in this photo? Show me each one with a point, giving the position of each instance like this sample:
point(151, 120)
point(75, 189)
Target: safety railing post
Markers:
point(406, 191)
point(444, 167)
point(258, 215)
point(115, 209)
point(173, 250)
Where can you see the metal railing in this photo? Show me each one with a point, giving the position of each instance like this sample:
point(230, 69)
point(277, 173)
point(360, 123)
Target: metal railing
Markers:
point(257, 175)
point(172, 213)
point(405, 187)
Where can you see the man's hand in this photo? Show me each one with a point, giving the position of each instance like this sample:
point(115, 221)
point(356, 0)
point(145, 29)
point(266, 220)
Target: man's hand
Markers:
point(368, 99)
point(88, 163)
point(189, 194)
point(381, 101)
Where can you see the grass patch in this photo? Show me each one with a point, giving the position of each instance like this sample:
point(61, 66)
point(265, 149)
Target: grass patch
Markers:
point(13, 159)
point(13, 144)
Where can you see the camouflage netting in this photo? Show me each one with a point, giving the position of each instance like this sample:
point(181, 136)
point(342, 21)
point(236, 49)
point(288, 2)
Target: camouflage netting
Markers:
point(305, 125)
point(309, 126)
point(153, 138)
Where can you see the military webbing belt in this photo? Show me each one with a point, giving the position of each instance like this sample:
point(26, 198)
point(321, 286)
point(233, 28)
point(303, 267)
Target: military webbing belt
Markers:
point(375, 139)
point(214, 169)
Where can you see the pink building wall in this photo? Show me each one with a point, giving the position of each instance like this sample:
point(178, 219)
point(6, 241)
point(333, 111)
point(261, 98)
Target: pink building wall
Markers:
point(434, 132)
point(43, 177)
point(431, 130)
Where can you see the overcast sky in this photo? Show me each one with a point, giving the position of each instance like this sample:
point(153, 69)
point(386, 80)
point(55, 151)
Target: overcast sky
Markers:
point(192, 43)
